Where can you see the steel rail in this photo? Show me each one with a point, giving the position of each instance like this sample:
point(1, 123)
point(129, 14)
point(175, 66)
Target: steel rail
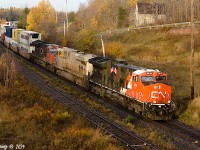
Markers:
point(127, 137)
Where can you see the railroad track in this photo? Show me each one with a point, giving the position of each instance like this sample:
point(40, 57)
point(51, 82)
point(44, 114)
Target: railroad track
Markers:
point(184, 138)
point(188, 128)
point(127, 137)
point(193, 135)
point(189, 137)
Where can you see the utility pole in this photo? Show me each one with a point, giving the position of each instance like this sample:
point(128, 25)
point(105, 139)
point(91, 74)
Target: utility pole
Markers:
point(192, 69)
point(64, 29)
point(56, 17)
point(103, 45)
point(67, 16)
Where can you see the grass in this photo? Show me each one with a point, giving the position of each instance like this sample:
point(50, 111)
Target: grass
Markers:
point(34, 119)
point(168, 52)
point(192, 115)
point(158, 138)
point(128, 122)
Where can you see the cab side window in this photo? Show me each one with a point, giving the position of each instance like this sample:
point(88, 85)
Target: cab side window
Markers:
point(134, 78)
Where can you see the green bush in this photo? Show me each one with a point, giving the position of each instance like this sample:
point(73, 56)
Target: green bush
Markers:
point(192, 115)
point(129, 119)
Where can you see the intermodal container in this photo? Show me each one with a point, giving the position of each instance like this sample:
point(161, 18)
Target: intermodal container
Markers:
point(16, 34)
point(9, 32)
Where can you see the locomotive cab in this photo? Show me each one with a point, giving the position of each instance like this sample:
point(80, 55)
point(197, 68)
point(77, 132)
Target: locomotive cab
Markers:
point(151, 89)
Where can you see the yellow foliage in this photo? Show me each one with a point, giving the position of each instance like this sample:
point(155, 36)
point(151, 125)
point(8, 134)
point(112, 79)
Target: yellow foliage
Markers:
point(132, 2)
point(114, 49)
point(64, 41)
point(94, 22)
point(44, 11)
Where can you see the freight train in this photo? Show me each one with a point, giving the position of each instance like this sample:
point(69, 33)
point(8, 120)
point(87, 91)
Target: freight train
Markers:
point(145, 91)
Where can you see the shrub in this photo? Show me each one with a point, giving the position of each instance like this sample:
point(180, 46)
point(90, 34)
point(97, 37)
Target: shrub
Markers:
point(61, 117)
point(129, 119)
point(85, 41)
point(192, 115)
point(114, 49)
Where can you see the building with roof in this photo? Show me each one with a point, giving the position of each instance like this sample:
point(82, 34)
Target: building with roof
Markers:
point(149, 13)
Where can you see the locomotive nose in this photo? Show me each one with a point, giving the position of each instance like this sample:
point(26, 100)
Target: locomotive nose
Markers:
point(161, 94)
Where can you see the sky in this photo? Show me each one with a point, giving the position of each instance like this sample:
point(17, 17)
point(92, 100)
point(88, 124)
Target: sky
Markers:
point(59, 5)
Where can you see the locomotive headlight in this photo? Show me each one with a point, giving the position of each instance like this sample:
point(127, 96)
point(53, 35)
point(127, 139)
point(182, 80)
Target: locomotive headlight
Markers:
point(149, 73)
point(154, 101)
point(169, 102)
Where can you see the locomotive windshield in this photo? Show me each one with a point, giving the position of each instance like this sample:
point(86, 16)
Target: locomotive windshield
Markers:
point(161, 79)
point(147, 78)
point(35, 36)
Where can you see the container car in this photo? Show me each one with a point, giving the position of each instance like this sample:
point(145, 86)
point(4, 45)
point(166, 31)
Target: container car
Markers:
point(2, 33)
point(15, 39)
point(8, 37)
point(26, 38)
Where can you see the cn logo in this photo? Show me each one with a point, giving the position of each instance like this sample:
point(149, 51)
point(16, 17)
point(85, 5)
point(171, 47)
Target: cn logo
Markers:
point(156, 94)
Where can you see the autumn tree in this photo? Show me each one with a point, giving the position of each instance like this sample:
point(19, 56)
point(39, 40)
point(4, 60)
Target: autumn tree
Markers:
point(85, 41)
point(10, 14)
point(122, 17)
point(23, 18)
point(42, 19)
point(132, 2)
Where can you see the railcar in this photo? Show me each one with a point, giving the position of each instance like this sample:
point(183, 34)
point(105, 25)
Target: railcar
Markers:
point(14, 44)
point(3, 31)
point(26, 38)
point(8, 37)
point(2, 37)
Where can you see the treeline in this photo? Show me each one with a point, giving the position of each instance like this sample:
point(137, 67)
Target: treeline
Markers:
point(11, 14)
point(93, 18)
point(180, 10)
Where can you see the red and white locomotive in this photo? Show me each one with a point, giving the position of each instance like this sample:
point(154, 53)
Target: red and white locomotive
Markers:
point(146, 91)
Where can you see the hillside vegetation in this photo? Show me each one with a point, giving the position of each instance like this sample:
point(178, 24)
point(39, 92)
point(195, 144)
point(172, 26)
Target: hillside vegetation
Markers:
point(193, 112)
point(165, 49)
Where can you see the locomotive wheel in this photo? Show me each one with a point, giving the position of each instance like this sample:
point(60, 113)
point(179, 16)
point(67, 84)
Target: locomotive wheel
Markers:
point(144, 114)
point(164, 115)
point(151, 115)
